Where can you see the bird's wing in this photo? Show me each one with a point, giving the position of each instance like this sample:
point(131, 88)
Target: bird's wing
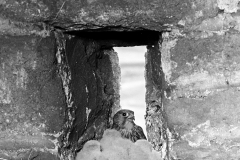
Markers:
point(139, 132)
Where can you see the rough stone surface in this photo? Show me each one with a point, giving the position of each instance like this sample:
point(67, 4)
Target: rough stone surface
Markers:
point(192, 75)
point(201, 69)
point(202, 104)
point(93, 89)
point(159, 133)
point(97, 14)
point(30, 95)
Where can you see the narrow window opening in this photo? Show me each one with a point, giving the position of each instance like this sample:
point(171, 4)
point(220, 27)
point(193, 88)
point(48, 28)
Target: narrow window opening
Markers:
point(132, 90)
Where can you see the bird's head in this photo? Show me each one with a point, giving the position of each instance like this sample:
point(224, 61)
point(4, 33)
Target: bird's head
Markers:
point(123, 116)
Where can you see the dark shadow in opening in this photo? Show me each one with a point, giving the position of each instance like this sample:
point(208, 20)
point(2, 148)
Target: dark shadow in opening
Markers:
point(119, 39)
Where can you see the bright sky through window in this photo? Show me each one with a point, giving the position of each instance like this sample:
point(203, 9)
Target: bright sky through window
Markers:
point(132, 91)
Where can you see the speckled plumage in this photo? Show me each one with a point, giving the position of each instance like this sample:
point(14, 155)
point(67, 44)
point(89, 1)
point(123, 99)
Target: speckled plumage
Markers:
point(123, 121)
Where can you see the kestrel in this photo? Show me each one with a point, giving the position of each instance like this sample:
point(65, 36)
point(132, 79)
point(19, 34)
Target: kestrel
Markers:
point(123, 121)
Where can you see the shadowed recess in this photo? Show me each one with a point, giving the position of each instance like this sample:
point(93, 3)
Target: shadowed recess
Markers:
point(107, 39)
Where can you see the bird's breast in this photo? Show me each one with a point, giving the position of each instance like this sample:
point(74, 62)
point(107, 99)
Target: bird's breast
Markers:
point(128, 126)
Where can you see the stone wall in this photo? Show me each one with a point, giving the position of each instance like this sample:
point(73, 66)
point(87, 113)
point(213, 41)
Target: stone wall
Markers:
point(30, 95)
point(202, 71)
point(201, 67)
point(192, 74)
point(91, 78)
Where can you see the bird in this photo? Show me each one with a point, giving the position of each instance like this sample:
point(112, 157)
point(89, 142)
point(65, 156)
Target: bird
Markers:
point(123, 121)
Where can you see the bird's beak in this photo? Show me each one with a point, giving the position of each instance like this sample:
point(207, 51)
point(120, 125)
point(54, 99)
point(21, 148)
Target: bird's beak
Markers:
point(131, 117)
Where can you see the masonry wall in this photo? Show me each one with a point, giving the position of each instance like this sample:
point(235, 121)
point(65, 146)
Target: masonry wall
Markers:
point(91, 75)
point(197, 102)
point(30, 96)
point(192, 75)
point(203, 104)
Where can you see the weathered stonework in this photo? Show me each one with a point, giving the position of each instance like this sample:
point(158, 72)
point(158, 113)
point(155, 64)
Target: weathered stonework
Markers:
point(91, 82)
point(31, 94)
point(59, 77)
point(200, 108)
point(201, 68)
point(79, 15)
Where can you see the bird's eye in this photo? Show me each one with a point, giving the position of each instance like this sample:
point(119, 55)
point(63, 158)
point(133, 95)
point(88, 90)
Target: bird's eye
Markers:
point(124, 114)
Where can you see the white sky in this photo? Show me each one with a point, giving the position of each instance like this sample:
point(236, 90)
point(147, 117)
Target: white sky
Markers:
point(132, 91)
point(131, 54)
